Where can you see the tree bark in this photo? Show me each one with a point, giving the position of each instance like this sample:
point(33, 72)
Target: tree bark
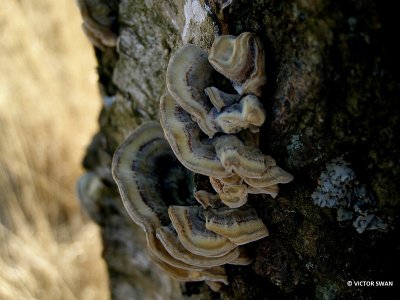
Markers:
point(333, 84)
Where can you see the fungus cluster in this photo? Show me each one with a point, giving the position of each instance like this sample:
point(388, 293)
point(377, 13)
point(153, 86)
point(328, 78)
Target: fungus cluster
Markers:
point(213, 132)
point(157, 193)
point(192, 234)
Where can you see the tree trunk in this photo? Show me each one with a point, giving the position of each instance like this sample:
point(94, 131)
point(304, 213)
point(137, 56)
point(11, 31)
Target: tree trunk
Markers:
point(330, 98)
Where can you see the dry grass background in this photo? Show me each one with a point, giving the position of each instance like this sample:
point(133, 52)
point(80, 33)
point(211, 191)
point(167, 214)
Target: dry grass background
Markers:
point(48, 109)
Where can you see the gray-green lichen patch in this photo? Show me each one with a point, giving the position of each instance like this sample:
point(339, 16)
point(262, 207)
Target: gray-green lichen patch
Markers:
point(339, 188)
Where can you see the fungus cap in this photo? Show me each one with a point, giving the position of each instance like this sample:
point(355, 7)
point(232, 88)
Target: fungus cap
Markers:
point(183, 135)
point(133, 174)
point(96, 23)
point(214, 274)
point(194, 235)
point(271, 176)
point(220, 99)
point(241, 59)
point(248, 113)
point(172, 244)
point(188, 74)
point(240, 226)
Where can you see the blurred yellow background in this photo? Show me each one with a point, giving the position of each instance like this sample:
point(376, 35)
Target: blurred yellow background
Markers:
point(49, 103)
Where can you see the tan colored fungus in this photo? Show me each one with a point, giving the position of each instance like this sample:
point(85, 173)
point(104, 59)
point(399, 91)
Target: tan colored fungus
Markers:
point(148, 175)
point(241, 59)
point(132, 169)
point(183, 134)
point(243, 259)
point(194, 235)
point(158, 250)
point(234, 196)
point(271, 176)
point(188, 78)
point(248, 113)
point(220, 99)
point(239, 158)
point(172, 244)
point(240, 226)
point(215, 274)
point(96, 23)
point(188, 74)
point(191, 242)
point(207, 199)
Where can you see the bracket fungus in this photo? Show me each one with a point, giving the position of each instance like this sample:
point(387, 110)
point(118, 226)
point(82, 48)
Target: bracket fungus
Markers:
point(183, 135)
point(189, 76)
point(240, 226)
point(193, 105)
point(192, 235)
point(157, 192)
point(97, 22)
point(241, 59)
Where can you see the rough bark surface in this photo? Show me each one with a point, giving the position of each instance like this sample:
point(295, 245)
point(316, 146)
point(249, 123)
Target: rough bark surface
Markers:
point(333, 85)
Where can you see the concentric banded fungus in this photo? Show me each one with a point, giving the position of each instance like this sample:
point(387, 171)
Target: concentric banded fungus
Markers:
point(148, 175)
point(188, 78)
point(96, 23)
point(248, 113)
point(207, 199)
point(241, 59)
point(215, 274)
point(194, 235)
point(240, 159)
point(172, 244)
point(240, 226)
point(243, 259)
point(183, 135)
point(188, 74)
point(220, 99)
point(191, 242)
point(137, 167)
point(234, 196)
point(271, 176)
point(158, 250)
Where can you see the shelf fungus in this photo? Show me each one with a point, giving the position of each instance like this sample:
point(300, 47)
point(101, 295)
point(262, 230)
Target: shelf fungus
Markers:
point(189, 75)
point(157, 193)
point(241, 59)
point(97, 21)
point(192, 234)
point(213, 132)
